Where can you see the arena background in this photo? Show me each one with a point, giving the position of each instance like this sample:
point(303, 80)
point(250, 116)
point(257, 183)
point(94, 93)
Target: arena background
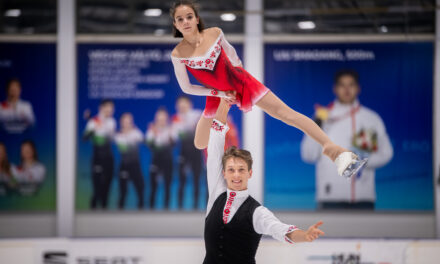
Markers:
point(46, 45)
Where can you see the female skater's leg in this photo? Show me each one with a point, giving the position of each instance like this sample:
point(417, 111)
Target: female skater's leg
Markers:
point(276, 108)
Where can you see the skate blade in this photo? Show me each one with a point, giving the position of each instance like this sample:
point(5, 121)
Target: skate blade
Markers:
point(353, 169)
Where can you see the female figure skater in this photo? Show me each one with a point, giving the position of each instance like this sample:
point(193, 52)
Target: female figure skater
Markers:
point(208, 56)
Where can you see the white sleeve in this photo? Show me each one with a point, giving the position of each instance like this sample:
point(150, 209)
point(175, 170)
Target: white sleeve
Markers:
point(186, 86)
point(384, 151)
point(230, 51)
point(216, 145)
point(266, 223)
point(310, 150)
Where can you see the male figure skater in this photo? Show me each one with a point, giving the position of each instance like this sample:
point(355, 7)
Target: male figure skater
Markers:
point(235, 221)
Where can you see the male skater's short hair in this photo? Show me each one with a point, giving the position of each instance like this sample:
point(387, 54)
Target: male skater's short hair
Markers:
point(234, 152)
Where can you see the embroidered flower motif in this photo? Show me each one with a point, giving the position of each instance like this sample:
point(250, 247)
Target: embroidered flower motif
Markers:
point(217, 127)
point(207, 62)
point(232, 194)
point(214, 92)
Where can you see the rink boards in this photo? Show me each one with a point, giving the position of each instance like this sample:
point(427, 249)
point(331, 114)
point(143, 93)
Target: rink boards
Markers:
point(152, 251)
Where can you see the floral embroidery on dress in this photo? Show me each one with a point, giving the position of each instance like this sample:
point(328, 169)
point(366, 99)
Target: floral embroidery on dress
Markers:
point(206, 62)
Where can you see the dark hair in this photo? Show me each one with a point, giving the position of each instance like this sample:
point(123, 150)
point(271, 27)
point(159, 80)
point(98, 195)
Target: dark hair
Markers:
point(234, 152)
point(346, 72)
point(194, 6)
point(105, 101)
point(9, 82)
point(5, 166)
point(32, 145)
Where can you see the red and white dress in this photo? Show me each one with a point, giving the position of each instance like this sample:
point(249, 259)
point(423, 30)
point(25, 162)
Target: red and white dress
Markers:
point(218, 71)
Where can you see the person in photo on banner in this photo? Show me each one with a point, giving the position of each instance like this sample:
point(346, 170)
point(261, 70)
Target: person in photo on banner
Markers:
point(16, 115)
point(235, 221)
point(8, 180)
point(160, 139)
point(209, 57)
point(355, 127)
point(100, 130)
point(184, 124)
point(30, 174)
point(127, 140)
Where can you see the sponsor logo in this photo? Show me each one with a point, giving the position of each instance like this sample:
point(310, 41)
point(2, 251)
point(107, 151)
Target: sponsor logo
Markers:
point(55, 257)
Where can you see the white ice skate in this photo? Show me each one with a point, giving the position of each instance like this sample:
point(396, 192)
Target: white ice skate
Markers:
point(349, 164)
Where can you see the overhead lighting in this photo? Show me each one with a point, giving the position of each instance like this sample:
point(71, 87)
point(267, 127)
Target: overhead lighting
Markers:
point(153, 12)
point(159, 32)
point(228, 17)
point(13, 13)
point(383, 29)
point(306, 25)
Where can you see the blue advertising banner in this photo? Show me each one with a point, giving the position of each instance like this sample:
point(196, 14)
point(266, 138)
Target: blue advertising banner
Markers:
point(27, 126)
point(385, 115)
point(136, 131)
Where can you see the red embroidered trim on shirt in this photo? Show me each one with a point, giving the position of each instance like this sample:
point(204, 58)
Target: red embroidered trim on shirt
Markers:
point(291, 228)
point(218, 127)
point(214, 92)
point(227, 210)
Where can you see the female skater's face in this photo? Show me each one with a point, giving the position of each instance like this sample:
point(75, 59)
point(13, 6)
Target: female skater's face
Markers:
point(185, 20)
point(236, 174)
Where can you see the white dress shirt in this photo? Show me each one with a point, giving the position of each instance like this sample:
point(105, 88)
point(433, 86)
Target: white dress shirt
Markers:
point(264, 221)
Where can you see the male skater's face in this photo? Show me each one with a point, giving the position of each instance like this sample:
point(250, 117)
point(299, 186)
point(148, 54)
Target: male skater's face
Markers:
point(346, 89)
point(236, 174)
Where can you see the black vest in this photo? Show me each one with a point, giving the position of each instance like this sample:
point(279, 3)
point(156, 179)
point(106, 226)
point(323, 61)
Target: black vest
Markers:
point(234, 242)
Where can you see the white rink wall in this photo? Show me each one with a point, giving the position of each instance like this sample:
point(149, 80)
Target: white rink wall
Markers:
point(182, 251)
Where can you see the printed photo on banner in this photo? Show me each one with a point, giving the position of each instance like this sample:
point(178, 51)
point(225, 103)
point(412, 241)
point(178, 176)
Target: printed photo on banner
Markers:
point(27, 126)
point(365, 102)
point(136, 131)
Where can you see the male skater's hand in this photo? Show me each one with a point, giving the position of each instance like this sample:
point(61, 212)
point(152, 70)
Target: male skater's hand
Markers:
point(314, 232)
point(307, 236)
point(232, 97)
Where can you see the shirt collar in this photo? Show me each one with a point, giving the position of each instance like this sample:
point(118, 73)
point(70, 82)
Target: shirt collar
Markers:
point(238, 194)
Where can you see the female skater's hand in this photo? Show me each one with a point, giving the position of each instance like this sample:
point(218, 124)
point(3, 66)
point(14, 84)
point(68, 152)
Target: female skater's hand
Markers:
point(232, 97)
point(307, 236)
